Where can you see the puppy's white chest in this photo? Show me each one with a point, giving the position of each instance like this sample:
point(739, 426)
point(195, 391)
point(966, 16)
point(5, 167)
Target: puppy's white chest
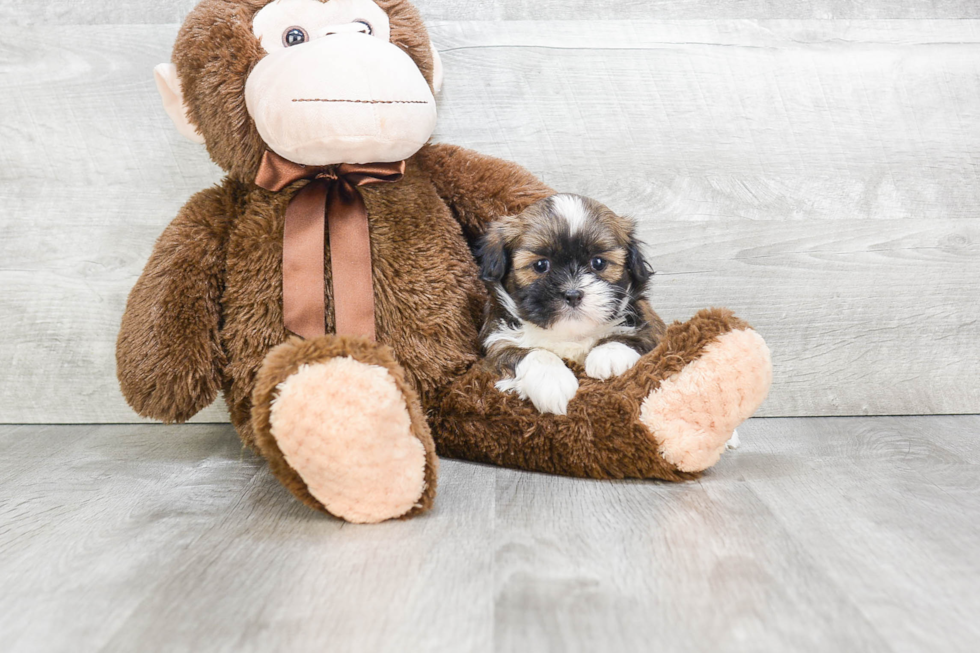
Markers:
point(570, 341)
point(569, 350)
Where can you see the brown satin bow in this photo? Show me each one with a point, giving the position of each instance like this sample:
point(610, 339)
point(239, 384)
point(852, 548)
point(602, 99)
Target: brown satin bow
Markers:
point(330, 197)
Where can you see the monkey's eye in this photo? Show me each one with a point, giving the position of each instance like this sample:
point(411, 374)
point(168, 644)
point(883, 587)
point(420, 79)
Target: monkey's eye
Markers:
point(294, 36)
point(366, 29)
point(541, 265)
point(599, 264)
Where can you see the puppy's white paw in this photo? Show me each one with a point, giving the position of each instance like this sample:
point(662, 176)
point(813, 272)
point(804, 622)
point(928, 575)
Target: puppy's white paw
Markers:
point(544, 378)
point(733, 442)
point(609, 360)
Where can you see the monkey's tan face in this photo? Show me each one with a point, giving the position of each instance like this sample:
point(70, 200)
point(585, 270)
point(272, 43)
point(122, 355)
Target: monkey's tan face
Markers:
point(332, 88)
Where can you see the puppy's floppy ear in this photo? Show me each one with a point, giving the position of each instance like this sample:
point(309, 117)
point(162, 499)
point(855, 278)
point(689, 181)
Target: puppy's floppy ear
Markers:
point(636, 265)
point(492, 254)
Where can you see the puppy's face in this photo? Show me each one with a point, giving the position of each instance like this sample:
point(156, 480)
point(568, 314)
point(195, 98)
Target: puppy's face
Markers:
point(566, 262)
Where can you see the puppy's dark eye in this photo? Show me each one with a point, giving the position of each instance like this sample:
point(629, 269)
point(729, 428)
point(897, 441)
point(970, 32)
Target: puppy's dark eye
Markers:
point(294, 36)
point(365, 26)
point(599, 264)
point(542, 265)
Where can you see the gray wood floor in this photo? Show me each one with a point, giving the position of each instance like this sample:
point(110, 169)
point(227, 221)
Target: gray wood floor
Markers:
point(824, 534)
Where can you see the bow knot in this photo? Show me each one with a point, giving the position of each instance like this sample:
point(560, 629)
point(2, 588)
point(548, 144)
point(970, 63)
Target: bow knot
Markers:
point(332, 199)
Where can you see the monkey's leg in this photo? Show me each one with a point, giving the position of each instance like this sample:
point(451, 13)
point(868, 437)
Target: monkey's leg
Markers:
point(668, 417)
point(343, 430)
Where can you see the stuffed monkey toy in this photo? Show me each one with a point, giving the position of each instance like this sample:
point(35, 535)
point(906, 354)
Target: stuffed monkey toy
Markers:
point(327, 287)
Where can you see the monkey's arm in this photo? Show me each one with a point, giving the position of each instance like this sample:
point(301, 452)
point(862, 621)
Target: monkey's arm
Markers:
point(479, 188)
point(168, 355)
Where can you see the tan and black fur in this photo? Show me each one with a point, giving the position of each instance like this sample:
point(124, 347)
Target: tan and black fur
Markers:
point(521, 295)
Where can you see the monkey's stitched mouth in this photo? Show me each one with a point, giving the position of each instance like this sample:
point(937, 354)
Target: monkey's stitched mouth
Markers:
point(362, 101)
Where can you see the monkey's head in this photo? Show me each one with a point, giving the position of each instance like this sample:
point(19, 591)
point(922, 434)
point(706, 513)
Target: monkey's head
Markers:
point(318, 82)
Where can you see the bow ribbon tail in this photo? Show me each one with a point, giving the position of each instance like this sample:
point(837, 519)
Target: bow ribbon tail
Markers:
point(350, 261)
point(303, 287)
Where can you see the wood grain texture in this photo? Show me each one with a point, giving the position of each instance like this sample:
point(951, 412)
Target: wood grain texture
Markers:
point(843, 534)
point(926, 498)
point(819, 177)
point(129, 538)
point(88, 12)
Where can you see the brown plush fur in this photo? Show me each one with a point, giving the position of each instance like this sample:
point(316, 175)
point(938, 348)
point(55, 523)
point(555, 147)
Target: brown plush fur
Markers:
point(207, 311)
point(169, 357)
point(479, 188)
point(428, 298)
point(600, 437)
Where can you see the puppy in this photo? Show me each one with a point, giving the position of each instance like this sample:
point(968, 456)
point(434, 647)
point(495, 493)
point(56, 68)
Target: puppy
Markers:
point(567, 282)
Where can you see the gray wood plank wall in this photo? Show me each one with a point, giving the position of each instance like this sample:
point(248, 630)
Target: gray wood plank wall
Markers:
point(820, 177)
point(92, 12)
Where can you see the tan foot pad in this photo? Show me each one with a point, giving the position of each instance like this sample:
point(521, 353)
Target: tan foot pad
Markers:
point(344, 427)
point(693, 413)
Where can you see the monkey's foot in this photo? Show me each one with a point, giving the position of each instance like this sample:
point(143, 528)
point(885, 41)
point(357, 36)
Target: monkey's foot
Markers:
point(345, 429)
point(693, 413)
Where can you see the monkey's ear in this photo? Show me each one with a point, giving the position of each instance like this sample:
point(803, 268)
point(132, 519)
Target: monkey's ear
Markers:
point(491, 252)
point(168, 85)
point(437, 71)
point(636, 265)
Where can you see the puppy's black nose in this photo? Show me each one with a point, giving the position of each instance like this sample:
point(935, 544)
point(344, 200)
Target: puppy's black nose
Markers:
point(574, 297)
